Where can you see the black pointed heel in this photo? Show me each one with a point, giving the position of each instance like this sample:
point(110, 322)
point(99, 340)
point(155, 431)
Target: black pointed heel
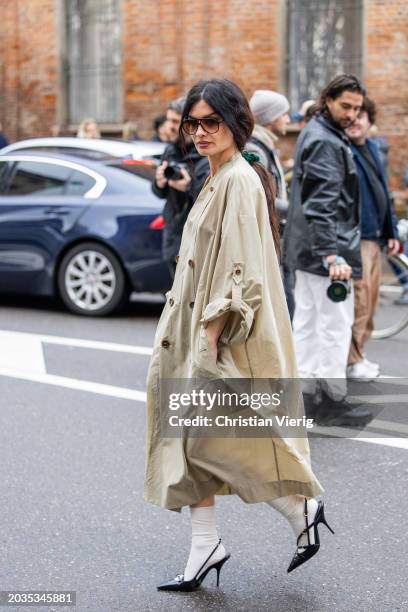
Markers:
point(304, 553)
point(179, 584)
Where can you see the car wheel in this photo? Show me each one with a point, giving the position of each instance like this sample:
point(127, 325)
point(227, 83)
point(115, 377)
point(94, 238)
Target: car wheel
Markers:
point(91, 280)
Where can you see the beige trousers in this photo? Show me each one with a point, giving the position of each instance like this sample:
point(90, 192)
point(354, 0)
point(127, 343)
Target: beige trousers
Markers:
point(366, 291)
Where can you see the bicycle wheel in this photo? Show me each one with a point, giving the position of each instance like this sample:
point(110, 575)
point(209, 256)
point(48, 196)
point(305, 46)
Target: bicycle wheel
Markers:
point(390, 317)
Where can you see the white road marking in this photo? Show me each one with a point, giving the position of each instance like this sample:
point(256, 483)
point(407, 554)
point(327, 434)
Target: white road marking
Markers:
point(21, 357)
point(361, 436)
point(379, 399)
point(389, 426)
point(394, 442)
point(21, 353)
point(74, 383)
point(79, 342)
point(393, 380)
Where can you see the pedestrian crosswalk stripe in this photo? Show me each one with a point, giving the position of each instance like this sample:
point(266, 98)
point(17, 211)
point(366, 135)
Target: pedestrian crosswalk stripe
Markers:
point(21, 358)
point(361, 436)
point(80, 343)
point(79, 385)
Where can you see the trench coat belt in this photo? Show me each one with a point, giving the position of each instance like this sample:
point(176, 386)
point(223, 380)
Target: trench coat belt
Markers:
point(236, 287)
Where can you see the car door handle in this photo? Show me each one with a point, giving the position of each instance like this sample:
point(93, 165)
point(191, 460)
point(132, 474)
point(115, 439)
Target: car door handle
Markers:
point(56, 211)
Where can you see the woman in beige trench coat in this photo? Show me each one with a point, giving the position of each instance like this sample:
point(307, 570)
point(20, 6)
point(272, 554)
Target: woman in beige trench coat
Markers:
point(226, 317)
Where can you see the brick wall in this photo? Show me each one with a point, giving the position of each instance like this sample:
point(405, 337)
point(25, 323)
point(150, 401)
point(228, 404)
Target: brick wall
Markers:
point(167, 47)
point(386, 76)
point(28, 64)
point(169, 44)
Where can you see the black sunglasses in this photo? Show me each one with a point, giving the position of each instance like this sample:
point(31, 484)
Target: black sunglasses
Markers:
point(209, 125)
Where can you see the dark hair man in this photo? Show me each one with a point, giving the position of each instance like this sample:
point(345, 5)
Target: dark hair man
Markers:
point(378, 228)
point(180, 193)
point(323, 244)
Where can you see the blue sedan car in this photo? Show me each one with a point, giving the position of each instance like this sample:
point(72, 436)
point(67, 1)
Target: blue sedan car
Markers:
point(82, 230)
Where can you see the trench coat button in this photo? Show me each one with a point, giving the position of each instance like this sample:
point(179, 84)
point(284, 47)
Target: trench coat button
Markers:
point(211, 188)
point(177, 257)
point(191, 304)
point(165, 343)
point(171, 302)
point(191, 263)
point(237, 271)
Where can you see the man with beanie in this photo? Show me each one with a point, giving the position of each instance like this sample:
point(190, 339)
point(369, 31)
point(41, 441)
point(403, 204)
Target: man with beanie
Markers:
point(271, 113)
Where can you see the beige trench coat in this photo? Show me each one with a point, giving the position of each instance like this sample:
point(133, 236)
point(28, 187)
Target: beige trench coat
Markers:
point(227, 262)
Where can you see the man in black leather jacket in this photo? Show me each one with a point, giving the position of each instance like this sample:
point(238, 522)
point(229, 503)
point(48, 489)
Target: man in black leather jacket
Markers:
point(322, 243)
point(180, 194)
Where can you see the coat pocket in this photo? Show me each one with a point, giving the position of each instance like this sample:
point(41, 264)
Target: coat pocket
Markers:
point(206, 361)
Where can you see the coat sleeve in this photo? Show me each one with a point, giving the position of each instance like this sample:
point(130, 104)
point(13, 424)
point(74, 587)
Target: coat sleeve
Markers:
point(161, 192)
point(321, 182)
point(391, 224)
point(236, 282)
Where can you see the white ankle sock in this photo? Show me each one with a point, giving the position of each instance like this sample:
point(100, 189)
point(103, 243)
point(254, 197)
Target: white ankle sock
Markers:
point(292, 508)
point(204, 539)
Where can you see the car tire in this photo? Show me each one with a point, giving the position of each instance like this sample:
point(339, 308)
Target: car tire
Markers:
point(91, 280)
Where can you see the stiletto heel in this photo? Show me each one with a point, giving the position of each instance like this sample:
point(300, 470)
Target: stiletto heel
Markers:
point(179, 584)
point(304, 553)
point(323, 520)
point(218, 567)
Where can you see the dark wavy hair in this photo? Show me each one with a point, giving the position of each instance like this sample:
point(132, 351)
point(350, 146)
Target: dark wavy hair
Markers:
point(229, 101)
point(370, 108)
point(341, 83)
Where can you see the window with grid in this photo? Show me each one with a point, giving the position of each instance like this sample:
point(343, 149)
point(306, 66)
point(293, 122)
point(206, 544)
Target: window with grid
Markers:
point(94, 71)
point(324, 39)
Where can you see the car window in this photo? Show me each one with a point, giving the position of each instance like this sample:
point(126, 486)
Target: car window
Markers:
point(144, 171)
point(38, 178)
point(79, 183)
point(3, 172)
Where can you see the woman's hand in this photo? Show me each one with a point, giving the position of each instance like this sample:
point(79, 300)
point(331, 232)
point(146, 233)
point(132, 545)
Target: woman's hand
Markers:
point(213, 330)
point(213, 350)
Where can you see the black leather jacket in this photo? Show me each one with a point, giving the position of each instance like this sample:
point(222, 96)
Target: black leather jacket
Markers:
point(178, 203)
point(324, 211)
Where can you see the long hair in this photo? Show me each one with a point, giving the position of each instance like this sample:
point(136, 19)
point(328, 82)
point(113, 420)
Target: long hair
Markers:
point(342, 82)
point(229, 101)
point(83, 126)
point(370, 108)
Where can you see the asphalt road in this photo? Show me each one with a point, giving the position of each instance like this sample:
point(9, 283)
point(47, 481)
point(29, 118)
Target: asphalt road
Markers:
point(72, 425)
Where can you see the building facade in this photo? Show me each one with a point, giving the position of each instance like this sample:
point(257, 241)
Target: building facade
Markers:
point(118, 60)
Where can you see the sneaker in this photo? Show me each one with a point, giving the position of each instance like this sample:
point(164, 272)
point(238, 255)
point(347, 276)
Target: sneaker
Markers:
point(371, 364)
point(363, 371)
point(341, 413)
point(403, 299)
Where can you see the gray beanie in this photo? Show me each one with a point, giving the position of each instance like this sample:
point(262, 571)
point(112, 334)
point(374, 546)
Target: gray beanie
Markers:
point(267, 106)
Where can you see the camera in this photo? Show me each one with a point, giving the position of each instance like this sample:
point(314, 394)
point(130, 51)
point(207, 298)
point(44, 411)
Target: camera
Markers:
point(338, 290)
point(173, 171)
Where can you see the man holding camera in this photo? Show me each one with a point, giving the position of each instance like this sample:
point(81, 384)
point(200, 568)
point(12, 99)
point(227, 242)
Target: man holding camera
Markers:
point(179, 179)
point(323, 246)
